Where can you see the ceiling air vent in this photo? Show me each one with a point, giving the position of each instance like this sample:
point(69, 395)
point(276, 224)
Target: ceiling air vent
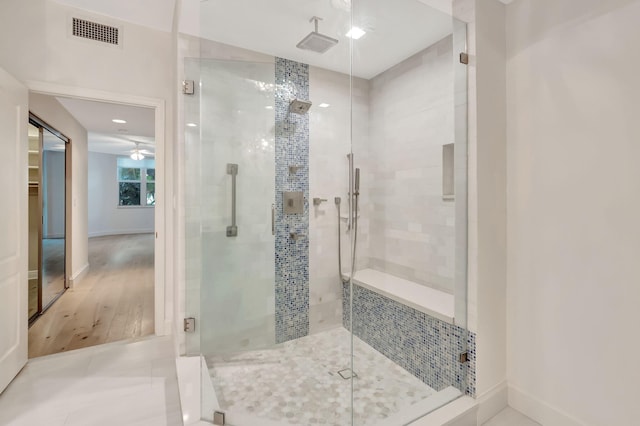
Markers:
point(95, 31)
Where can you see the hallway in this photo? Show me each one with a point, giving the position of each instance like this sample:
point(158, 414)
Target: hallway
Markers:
point(113, 302)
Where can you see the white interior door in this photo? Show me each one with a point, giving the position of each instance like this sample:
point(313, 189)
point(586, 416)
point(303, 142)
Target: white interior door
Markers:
point(14, 116)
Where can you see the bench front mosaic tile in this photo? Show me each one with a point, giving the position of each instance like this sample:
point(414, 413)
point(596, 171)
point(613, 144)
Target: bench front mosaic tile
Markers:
point(423, 345)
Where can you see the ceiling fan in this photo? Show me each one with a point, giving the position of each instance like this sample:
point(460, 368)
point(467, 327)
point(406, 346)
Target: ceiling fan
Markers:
point(140, 154)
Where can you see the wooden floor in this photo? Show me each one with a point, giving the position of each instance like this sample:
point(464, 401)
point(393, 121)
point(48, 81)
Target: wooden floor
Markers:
point(114, 301)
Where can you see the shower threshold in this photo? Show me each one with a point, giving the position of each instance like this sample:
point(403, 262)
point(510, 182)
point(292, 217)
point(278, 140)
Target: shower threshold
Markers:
point(308, 381)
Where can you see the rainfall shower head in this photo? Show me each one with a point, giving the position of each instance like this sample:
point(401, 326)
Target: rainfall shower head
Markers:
point(315, 41)
point(298, 106)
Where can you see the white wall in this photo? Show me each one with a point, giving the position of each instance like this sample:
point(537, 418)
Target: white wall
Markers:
point(51, 111)
point(573, 209)
point(105, 216)
point(329, 144)
point(411, 118)
point(490, 164)
point(141, 65)
point(486, 300)
point(35, 47)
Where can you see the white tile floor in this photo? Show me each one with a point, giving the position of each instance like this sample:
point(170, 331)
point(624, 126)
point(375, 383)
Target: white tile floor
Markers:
point(510, 417)
point(124, 383)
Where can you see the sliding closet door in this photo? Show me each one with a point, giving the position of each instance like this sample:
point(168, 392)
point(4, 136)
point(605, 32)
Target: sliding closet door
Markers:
point(53, 217)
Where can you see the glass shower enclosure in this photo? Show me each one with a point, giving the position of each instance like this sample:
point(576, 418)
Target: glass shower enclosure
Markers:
point(319, 134)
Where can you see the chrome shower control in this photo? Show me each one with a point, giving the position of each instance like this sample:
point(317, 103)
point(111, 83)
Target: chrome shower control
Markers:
point(318, 201)
point(295, 236)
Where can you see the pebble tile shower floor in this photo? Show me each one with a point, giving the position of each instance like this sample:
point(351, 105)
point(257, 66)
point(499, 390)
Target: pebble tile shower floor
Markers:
point(297, 383)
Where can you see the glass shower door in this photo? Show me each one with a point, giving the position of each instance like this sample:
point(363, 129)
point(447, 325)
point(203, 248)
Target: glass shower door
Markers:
point(237, 196)
point(230, 224)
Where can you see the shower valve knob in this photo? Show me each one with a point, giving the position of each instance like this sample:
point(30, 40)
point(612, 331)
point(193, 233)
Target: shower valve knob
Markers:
point(318, 201)
point(295, 236)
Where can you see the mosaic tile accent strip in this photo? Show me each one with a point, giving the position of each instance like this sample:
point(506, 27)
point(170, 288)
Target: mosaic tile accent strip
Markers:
point(423, 345)
point(292, 256)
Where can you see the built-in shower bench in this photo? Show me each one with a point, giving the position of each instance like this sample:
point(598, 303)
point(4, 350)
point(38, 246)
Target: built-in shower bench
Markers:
point(432, 302)
point(413, 326)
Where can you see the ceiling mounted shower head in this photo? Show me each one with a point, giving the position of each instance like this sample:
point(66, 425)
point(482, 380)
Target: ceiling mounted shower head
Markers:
point(315, 41)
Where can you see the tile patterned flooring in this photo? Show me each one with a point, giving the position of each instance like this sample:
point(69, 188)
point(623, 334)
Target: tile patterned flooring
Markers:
point(123, 383)
point(133, 383)
point(297, 383)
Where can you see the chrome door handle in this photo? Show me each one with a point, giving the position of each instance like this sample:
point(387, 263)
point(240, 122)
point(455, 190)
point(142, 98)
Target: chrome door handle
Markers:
point(232, 169)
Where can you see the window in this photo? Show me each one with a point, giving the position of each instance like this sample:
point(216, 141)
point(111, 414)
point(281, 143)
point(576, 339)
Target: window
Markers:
point(136, 182)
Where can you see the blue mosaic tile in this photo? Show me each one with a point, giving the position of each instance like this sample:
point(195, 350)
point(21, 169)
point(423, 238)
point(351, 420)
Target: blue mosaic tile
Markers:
point(291, 149)
point(423, 345)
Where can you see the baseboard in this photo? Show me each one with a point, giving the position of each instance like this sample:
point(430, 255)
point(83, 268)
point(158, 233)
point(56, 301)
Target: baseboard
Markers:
point(461, 412)
point(538, 410)
point(78, 276)
point(492, 401)
point(33, 275)
point(121, 232)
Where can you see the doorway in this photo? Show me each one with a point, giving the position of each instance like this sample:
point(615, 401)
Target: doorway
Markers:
point(114, 297)
point(48, 157)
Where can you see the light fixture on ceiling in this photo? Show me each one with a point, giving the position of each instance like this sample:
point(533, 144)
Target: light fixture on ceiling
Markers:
point(136, 154)
point(355, 33)
point(119, 121)
point(192, 125)
point(324, 105)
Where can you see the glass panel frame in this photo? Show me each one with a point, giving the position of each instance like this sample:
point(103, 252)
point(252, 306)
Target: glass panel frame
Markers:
point(199, 221)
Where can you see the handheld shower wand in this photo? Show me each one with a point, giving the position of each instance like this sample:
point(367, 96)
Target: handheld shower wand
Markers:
point(338, 201)
point(356, 196)
point(352, 220)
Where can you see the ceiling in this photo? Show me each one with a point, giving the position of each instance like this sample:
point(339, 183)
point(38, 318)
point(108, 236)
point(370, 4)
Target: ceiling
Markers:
point(396, 29)
point(112, 138)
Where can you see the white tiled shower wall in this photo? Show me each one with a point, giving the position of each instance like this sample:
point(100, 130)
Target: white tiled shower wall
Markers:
point(411, 116)
point(329, 144)
point(401, 119)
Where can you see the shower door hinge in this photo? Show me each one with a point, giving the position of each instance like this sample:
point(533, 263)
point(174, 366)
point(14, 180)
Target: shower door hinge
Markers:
point(189, 325)
point(464, 357)
point(188, 87)
point(464, 58)
point(218, 418)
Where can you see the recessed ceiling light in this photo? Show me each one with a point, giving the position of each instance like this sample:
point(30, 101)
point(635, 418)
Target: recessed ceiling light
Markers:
point(119, 121)
point(324, 105)
point(269, 107)
point(355, 33)
point(192, 125)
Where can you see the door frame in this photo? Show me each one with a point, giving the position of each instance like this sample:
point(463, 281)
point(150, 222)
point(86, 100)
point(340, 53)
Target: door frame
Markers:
point(163, 253)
